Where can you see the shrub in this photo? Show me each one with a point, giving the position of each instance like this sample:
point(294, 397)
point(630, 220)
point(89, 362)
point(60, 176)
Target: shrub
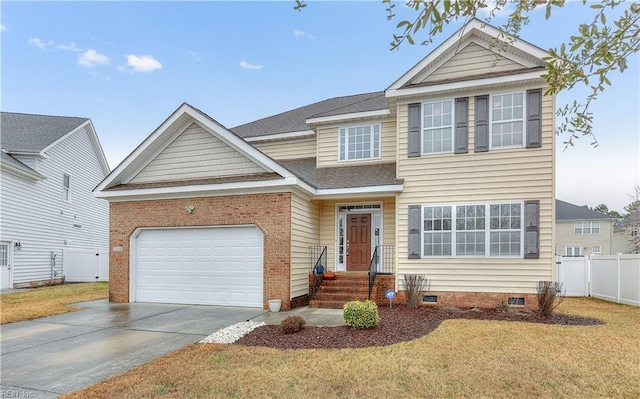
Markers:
point(292, 324)
point(414, 284)
point(361, 315)
point(550, 295)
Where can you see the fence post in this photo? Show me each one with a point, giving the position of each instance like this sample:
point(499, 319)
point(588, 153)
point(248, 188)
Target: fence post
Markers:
point(618, 292)
point(587, 275)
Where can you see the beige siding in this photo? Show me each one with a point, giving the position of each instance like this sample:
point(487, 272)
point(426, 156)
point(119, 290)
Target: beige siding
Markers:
point(566, 237)
point(305, 221)
point(328, 223)
point(498, 175)
point(196, 154)
point(472, 60)
point(328, 145)
point(289, 149)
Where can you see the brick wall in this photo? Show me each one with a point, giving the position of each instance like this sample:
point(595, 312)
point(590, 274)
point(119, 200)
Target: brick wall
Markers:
point(271, 213)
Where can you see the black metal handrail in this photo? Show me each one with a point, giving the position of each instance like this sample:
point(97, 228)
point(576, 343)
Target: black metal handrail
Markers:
point(373, 270)
point(319, 266)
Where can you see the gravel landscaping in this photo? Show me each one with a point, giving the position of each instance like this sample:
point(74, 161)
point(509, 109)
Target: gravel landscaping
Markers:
point(397, 324)
point(232, 333)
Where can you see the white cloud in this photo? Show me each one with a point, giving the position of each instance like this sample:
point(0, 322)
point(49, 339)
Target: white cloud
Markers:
point(70, 47)
point(301, 33)
point(246, 65)
point(143, 63)
point(91, 58)
point(195, 55)
point(39, 43)
point(3, 28)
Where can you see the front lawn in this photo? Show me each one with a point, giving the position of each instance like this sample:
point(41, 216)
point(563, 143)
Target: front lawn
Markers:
point(48, 301)
point(460, 358)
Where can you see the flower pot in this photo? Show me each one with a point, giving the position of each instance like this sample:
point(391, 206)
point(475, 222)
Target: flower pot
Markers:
point(274, 305)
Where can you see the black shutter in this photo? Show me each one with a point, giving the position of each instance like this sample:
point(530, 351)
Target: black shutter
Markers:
point(481, 137)
point(534, 118)
point(414, 130)
point(532, 229)
point(414, 231)
point(461, 136)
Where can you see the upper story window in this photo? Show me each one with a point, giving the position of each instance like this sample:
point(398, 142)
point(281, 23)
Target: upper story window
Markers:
point(437, 127)
point(507, 120)
point(634, 231)
point(586, 227)
point(484, 230)
point(359, 142)
point(66, 187)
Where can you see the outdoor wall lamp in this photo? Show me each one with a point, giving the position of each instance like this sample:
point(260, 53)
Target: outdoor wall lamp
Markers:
point(189, 208)
point(17, 245)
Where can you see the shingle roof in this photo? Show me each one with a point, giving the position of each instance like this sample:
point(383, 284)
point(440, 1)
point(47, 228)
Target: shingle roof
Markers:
point(630, 219)
point(33, 133)
point(567, 211)
point(342, 176)
point(294, 120)
point(11, 161)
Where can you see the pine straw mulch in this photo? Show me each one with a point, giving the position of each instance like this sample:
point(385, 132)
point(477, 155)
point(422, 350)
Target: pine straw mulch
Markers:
point(397, 324)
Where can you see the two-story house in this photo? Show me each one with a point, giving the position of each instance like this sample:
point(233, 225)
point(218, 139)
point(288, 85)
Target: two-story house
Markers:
point(625, 234)
point(582, 231)
point(449, 173)
point(50, 220)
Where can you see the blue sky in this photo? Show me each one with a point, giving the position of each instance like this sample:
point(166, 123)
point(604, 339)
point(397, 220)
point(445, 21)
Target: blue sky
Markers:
point(127, 66)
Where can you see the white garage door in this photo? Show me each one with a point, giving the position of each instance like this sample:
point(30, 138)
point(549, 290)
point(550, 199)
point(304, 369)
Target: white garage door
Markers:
point(206, 266)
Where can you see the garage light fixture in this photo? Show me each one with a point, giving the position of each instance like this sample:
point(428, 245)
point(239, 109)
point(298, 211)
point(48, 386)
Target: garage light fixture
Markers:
point(189, 208)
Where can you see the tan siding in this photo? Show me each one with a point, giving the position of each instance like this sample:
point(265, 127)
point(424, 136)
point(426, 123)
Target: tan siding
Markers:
point(328, 223)
point(305, 222)
point(289, 149)
point(472, 60)
point(196, 154)
point(328, 145)
point(498, 175)
point(566, 237)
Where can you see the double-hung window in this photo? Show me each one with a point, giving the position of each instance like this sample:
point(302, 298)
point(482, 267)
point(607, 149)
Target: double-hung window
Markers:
point(359, 142)
point(507, 120)
point(586, 228)
point(437, 127)
point(66, 187)
point(479, 230)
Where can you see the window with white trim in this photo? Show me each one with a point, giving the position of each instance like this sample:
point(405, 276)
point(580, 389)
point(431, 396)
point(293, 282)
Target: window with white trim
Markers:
point(359, 142)
point(479, 230)
point(66, 187)
point(586, 227)
point(596, 249)
point(437, 127)
point(634, 230)
point(573, 251)
point(507, 120)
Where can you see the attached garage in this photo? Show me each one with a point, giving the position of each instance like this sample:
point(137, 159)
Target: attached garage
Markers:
point(197, 265)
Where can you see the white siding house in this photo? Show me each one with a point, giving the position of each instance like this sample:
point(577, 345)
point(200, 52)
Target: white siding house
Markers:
point(48, 214)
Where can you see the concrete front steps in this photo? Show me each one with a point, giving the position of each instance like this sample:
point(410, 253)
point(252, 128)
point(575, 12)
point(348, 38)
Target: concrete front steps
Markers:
point(346, 287)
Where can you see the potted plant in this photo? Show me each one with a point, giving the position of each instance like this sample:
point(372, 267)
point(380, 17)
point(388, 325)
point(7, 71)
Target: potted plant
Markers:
point(329, 275)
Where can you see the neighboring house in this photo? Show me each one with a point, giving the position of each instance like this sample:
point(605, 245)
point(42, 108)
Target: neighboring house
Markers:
point(48, 214)
point(624, 231)
point(452, 166)
point(582, 231)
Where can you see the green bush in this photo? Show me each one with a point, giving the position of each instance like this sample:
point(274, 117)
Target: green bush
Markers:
point(361, 315)
point(292, 324)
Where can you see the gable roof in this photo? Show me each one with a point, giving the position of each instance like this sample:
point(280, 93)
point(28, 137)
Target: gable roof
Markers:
point(295, 119)
point(567, 211)
point(10, 163)
point(630, 219)
point(33, 133)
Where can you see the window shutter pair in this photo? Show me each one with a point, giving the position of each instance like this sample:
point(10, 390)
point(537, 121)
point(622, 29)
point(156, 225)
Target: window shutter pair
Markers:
point(461, 128)
point(531, 230)
point(533, 121)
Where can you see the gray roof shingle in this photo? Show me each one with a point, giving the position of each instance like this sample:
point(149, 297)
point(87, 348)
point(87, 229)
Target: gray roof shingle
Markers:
point(294, 120)
point(33, 133)
point(630, 219)
point(567, 211)
point(342, 176)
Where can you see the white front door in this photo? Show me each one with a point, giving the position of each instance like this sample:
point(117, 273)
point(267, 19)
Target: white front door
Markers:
point(5, 265)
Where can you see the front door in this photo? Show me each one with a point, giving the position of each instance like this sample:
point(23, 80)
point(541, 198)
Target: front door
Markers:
point(358, 242)
point(5, 266)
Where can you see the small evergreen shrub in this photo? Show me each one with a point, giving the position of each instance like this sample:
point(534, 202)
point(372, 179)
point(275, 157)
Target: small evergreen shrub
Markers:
point(361, 315)
point(292, 324)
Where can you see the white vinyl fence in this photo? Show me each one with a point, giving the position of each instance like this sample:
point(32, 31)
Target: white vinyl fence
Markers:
point(82, 265)
point(610, 277)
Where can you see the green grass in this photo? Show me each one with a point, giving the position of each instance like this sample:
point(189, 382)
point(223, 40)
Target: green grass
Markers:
point(461, 358)
point(48, 301)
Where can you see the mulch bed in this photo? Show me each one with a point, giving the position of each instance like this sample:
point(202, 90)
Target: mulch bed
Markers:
point(398, 324)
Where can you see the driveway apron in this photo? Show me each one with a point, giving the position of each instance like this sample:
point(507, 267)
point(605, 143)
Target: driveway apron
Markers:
point(55, 355)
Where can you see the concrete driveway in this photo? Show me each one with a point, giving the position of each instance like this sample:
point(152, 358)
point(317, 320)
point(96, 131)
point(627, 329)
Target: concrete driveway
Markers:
point(54, 355)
